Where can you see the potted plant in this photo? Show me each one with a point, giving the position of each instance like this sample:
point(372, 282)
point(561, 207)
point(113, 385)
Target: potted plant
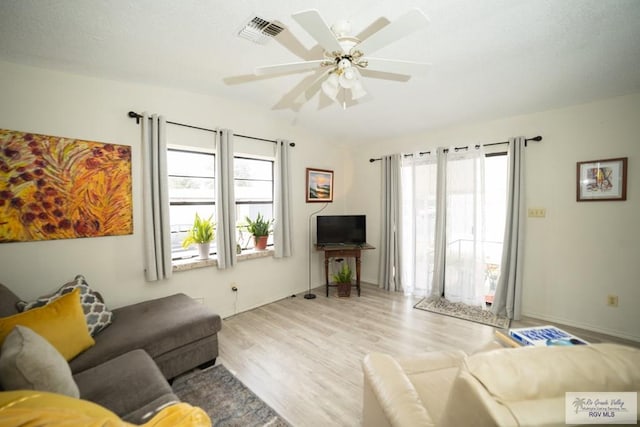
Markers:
point(343, 279)
point(201, 234)
point(260, 228)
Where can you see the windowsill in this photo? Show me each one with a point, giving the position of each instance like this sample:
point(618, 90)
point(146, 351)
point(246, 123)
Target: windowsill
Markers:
point(193, 263)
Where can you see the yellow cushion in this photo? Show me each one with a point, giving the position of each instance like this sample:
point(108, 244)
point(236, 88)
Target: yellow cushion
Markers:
point(26, 408)
point(61, 322)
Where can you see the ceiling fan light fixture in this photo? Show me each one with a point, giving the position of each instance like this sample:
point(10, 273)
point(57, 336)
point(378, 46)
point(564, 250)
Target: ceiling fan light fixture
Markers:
point(349, 77)
point(342, 79)
point(344, 64)
point(357, 91)
point(330, 86)
point(343, 56)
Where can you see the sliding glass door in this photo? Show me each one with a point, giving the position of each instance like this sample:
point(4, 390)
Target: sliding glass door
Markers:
point(475, 211)
point(465, 228)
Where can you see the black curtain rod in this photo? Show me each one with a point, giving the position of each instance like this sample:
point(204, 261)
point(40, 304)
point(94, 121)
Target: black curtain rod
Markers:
point(535, 138)
point(137, 116)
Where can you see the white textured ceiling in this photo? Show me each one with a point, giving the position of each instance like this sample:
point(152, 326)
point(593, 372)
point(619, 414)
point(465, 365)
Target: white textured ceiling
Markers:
point(490, 58)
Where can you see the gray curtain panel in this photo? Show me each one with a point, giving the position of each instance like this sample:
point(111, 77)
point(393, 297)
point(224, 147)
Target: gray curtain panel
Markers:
point(155, 196)
point(440, 244)
point(282, 240)
point(390, 272)
point(225, 200)
point(507, 300)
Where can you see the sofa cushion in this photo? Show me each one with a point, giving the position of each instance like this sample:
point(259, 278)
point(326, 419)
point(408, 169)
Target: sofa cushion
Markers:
point(95, 310)
point(394, 391)
point(29, 362)
point(62, 323)
point(131, 385)
point(527, 386)
point(184, 358)
point(551, 371)
point(158, 326)
point(431, 373)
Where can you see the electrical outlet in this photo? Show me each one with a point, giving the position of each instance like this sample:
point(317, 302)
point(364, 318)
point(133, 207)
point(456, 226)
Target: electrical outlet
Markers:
point(612, 300)
point(537, 212)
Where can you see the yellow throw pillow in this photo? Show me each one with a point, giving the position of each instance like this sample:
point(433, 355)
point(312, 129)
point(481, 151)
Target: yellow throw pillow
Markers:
point(61, 322)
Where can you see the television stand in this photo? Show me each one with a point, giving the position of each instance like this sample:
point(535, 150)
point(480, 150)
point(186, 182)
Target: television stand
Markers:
point(342, 251)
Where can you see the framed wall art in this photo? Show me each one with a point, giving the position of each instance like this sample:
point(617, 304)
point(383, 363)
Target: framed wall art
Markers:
point(602, 180)
point(319, 185)
point(63, 188)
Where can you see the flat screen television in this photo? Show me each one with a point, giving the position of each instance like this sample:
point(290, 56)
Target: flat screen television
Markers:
point(341, 230)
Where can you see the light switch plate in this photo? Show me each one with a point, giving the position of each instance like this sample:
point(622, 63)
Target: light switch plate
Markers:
point(537, 212)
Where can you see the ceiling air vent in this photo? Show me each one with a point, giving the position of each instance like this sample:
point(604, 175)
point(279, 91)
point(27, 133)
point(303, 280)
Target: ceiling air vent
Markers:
point(259, 30)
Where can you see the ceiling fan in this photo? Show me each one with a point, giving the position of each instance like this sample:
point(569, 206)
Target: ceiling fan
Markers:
point(346, 57)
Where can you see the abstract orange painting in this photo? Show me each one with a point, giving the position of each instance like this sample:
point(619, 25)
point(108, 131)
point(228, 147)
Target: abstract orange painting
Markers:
point(63, 188)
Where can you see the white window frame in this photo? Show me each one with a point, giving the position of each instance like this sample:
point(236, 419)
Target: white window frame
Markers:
point(192, 252)
point(246, 241)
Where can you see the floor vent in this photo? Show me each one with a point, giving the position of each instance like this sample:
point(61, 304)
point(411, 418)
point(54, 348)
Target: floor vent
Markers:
point(259, 30)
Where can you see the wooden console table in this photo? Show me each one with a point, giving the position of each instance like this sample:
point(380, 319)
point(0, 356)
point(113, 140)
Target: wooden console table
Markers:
point(342, 251)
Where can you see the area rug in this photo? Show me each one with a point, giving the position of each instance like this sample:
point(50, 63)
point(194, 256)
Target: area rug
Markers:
point(462, 311)
point(227, 401)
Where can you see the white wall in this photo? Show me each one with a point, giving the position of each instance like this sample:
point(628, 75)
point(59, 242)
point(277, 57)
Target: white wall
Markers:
point(575, 257)
point(580, 252)
point(60, 104)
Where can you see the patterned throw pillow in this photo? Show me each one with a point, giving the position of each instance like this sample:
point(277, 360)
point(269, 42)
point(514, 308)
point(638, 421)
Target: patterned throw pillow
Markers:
point(95, 310)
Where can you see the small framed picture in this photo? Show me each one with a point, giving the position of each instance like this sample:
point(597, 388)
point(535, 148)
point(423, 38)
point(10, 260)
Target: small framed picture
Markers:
point(602, 180)
point(319, 185)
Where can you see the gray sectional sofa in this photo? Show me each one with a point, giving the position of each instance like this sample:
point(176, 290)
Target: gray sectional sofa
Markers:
point(147, 344)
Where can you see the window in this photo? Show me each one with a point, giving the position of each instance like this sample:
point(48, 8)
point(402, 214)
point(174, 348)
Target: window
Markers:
point(254, 193)
point(191, 189)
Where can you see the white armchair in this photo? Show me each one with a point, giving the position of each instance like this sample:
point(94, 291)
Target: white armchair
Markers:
point(506, 387)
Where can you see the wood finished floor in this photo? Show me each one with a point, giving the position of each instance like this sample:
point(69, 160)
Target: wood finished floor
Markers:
point(303, 357)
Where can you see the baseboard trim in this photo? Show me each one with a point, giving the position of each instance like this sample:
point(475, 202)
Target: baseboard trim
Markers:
point(581, 325)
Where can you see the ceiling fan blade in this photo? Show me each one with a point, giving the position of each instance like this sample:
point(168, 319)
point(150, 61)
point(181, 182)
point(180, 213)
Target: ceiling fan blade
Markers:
point(396, 66)
point(295, 98)
point(373, 28)
point(315, 85)
point(313, 24)
point(411, 21)
point(292, 67)
point(287, 40)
